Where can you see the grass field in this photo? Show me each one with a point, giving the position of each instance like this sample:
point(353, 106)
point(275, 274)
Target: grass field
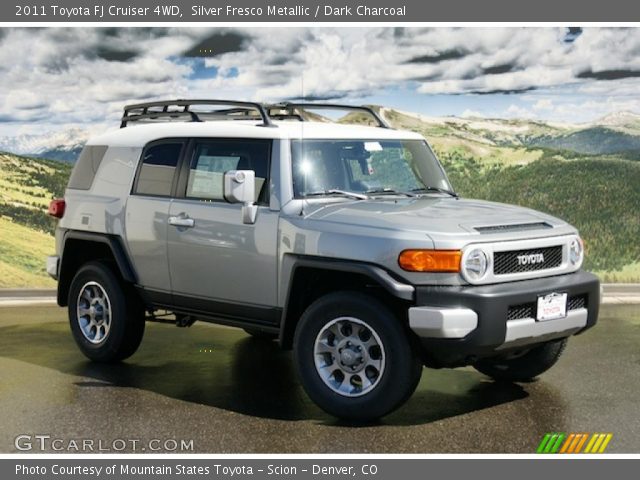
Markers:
point(486, 153)
point(628, 274)
point(22, 256)
point(26, 187)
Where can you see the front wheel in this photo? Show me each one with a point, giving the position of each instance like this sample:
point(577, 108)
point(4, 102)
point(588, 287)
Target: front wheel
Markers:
point(523, 365)
point(354, 357)
point(106, 319)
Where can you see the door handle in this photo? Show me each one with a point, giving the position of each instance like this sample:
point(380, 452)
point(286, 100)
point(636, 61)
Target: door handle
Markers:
point(182, 221)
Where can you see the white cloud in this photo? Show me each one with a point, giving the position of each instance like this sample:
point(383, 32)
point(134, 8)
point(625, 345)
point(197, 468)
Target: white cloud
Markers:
point(515, 111)
point(329, 61)
point(22, 99)
point(81, 75)
point(68, 74)
point(543, 104)
point(472, 114)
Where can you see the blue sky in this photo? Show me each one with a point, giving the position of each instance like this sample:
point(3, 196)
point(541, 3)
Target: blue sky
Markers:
point(58, 78)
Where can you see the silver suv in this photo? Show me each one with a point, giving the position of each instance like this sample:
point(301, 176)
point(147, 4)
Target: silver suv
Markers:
point(346, 243)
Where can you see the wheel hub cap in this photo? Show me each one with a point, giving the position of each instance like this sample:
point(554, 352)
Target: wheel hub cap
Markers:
point(349, 356)
point(94, 312)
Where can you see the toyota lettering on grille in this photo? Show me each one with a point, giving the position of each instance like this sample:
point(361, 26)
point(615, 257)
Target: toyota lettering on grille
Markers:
point(531, 259)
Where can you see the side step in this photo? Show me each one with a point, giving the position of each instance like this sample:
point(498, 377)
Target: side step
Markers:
point(178, 319)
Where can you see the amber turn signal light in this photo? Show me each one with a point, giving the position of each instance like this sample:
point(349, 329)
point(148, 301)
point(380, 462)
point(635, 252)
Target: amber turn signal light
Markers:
point(430, 260)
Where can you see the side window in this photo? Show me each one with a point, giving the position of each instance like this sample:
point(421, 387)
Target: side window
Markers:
point(85, 169)
point(158, 169)
point(211, 159)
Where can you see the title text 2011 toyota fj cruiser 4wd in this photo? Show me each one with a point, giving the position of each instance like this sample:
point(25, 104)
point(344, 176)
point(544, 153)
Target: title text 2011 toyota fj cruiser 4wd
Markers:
point(344, 242)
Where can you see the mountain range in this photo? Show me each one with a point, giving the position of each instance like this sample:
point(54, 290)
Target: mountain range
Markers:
point(614, 134)
point(617, 133)
point(587, 174)
point(62, 145)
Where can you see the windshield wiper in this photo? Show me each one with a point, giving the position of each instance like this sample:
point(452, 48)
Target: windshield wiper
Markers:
point(435, 189)
point(388, 191)
point(344, 193)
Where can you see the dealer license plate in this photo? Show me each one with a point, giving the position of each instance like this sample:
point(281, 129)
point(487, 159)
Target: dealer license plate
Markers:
point(552, 306)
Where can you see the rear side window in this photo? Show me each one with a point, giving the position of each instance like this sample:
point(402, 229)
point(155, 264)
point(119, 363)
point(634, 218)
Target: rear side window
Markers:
point(86, 167)
point(158, 168)
point(212, 159)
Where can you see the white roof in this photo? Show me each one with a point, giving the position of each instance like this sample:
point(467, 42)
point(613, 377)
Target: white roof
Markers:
point(140, 135)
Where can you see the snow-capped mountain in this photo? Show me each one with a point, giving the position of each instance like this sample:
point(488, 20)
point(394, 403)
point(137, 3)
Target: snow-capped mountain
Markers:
point(615, 133)
point(619, 119)
point(62, 145)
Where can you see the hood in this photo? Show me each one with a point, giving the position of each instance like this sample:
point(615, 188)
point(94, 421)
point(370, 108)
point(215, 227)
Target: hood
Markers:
point(438, 216)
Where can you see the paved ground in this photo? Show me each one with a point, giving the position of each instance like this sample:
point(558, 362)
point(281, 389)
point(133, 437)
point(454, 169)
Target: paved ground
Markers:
point(230, 393)
point(621, 293)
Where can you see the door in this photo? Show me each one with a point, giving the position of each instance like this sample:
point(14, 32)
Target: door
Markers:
point(148, 212)
point(228, 266)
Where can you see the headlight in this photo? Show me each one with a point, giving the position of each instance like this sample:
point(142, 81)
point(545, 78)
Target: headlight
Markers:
point(576, 252)
point(475, 264)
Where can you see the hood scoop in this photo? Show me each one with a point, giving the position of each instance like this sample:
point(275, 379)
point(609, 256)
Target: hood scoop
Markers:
point(517, 227)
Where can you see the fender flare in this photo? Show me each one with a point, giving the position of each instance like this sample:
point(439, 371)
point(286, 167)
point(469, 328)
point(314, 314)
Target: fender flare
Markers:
point(292, 263)
point(125, 267)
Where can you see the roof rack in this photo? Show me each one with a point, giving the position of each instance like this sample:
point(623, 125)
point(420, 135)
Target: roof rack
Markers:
point(171, 109)
point(292, 106)
point(155, 110)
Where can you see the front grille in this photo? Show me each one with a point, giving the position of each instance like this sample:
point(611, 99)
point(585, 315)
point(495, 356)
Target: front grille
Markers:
point(517, 227)
point(532, 260)
point(528, 310)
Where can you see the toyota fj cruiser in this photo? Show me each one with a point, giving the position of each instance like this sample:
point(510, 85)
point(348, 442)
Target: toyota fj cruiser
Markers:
point(347, 243)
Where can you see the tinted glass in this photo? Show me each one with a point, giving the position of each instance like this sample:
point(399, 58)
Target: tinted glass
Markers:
point(212, 159)
point(87, 166)
point(158, 169)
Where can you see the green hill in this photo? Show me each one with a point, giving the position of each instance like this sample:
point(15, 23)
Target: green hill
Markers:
point(600, 196)
point(26, 232)
point(613, 135)
point(585, 175)
point(22, 255)
point(596, 140)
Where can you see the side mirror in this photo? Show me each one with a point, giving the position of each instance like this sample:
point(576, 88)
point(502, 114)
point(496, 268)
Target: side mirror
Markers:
point(239, 187)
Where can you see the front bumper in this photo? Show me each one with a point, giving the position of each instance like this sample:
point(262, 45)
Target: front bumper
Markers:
point(456, 325)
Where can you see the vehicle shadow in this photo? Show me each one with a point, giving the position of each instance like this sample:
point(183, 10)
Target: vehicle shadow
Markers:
point(225, 368)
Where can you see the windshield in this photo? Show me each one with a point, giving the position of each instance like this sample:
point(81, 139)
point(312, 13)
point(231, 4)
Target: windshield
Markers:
point(370, 167)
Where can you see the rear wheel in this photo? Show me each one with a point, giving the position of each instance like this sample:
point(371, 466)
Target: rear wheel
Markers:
point(354, 357)
point(106, 318)
point(523, 365)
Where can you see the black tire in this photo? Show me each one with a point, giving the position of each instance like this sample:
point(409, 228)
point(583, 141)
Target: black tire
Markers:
point(126, 327)
point(402, 368)
point(523, 366)
point(262, 335)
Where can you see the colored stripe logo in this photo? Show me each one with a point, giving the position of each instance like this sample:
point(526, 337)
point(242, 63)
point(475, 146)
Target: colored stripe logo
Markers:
point(574, 443)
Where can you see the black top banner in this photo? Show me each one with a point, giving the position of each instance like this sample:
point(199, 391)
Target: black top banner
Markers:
point(318, 11)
